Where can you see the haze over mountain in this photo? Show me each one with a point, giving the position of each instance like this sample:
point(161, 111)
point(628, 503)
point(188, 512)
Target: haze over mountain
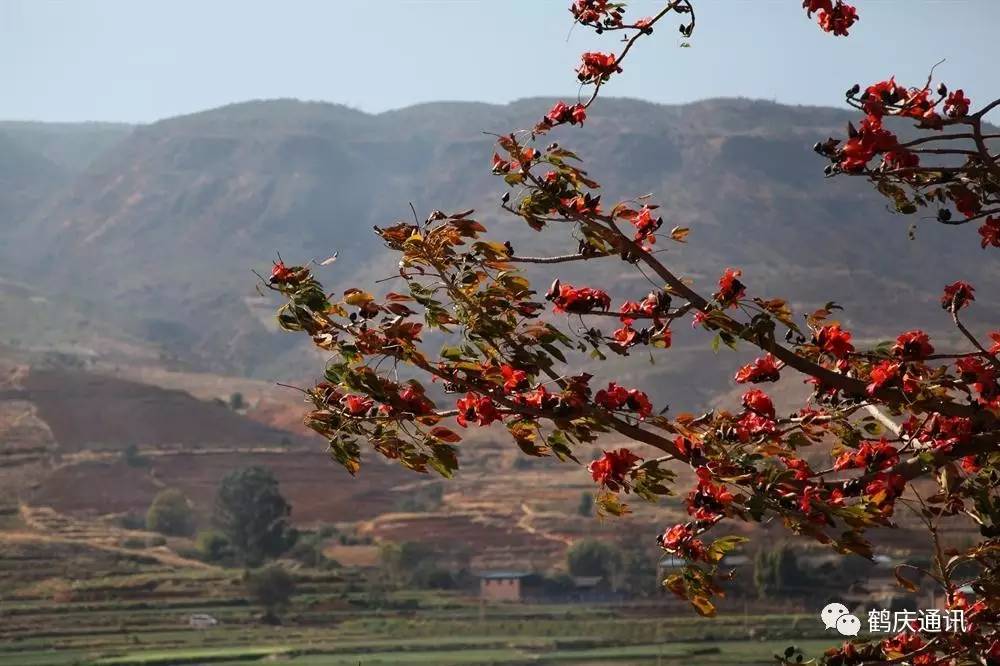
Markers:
point(153, 230)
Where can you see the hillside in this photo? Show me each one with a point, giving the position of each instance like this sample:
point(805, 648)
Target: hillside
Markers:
point(168, 223)
point(129, 309)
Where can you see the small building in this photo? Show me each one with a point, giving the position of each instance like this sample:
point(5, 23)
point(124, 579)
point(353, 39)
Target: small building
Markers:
point(501, 585)
point(593, 589)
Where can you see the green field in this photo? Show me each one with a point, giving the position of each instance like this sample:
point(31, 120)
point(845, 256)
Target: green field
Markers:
point(62, 605)
point(406, 628)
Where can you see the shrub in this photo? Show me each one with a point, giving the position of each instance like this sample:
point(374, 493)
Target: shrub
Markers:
point(171, 514)
point(271, 588)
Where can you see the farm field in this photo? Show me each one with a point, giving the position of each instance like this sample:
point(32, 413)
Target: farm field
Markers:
point(89, 603)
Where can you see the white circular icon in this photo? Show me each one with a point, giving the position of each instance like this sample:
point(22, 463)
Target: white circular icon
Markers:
point(848, 625)
point(831, 613)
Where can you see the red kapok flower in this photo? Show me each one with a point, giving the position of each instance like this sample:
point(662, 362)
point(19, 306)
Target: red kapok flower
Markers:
point(751, 425)
point(801, 468)
point(597, 12)
point(563, 113)
point(913, 346)
point(708, 501)
point(357, 405)
point(990, 231)
point(688, 448)
point(884, 488)
point(995, 337)
point(513, 379)
point(281, 273)
point(882, 374)
point(870, 455)
point(595, 66)
point(625, 336)
point(415, 401)
point(764, 369)
point(730, 288)
point(680, 541)
point(957, 104)
point(813, 6)
point(618, 397)
point(610, 469)
point(476, 409)
point(834, 340)
point(871, 137)
point(580, 300)
point(839, 19)
point(957, 295)
point(757, 401)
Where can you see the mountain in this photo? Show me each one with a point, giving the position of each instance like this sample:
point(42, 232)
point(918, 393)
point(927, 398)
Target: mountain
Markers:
point(159, 233)
point(37, 159)
point(71, 146)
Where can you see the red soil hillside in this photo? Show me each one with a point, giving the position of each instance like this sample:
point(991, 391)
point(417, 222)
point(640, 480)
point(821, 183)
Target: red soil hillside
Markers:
point(318, 490)
point(88, 411)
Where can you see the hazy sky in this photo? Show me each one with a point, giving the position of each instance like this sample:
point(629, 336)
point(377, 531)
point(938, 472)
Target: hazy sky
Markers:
point(140, 60)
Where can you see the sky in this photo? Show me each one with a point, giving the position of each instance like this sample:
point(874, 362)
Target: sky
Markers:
point(143, 60)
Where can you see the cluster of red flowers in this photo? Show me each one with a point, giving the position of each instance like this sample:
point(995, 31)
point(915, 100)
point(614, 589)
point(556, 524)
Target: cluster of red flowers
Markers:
point(645, 225)
point(595, 67)
point(811, 494)
point(680, 540)
point(758, 402)
point(883, 489)
point(957, 104)
point(583, 205)
point(730, 288)
point(617, 397)
point(476, 409)
point(502, 166)
point(888, 373)
point(598, 13)
point(758, 420)
point(690, 449)
point(654, 305)
point(957, 295)
point(513, 379)
point(941, 432)
point(763, 369)
point(913, 346)
point(357, 405)
point(539, 398)
point(834, 15)
point(708, 501)
point(411, 399)
point(650, 306)
point(750, 426)
point(973, 613)
point(800, 467)
point(990, 232)
point(869, 140)
point(872, 456)
point(982, 378)
point(563, 113)
point(833, 340)
point(610, 469)
point(578, 300)
point(905, 643)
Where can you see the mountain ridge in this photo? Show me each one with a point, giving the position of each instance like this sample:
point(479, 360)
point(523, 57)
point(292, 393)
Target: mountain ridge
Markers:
point(168, 221)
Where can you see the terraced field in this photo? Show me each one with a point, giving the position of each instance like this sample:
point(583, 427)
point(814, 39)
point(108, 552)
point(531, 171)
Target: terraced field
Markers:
point(71, 594)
